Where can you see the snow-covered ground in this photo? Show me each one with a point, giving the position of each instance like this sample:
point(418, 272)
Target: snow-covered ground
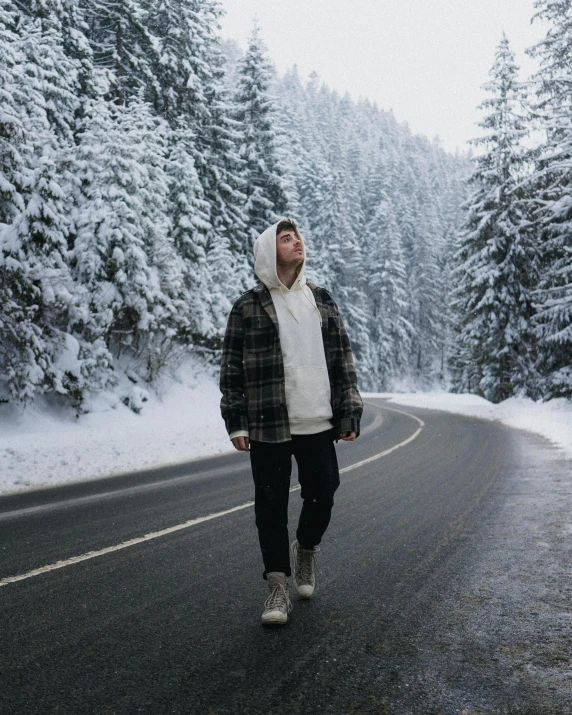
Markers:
point(552, 419)
point(43, 447)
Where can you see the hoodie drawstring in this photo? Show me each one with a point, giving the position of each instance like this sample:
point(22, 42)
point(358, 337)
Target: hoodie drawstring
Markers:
point(313, 305)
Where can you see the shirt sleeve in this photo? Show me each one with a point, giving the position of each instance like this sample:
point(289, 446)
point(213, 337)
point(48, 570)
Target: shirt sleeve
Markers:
point(239, 433)
point(233, 401)
point(351, 404)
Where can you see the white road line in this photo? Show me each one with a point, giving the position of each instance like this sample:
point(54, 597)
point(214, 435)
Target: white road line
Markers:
point(393, 409)
point(391, 449)
point(382, 454)
point(124, 545)
point(199, 520)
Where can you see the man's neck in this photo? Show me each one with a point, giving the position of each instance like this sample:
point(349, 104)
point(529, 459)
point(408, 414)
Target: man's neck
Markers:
point(287, 275)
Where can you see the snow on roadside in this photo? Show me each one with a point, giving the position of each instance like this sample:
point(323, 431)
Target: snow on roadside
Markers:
point(43, 447)
point(552, 419)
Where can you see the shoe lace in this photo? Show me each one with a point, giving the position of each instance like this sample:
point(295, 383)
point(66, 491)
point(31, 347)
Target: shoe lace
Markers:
point(279, 598)
point(307, 563)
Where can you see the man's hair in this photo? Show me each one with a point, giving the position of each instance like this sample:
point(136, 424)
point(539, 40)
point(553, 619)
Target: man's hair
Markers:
point(287, 224)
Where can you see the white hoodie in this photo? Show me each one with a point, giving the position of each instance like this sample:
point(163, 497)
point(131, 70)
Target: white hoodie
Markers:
point(305, 371)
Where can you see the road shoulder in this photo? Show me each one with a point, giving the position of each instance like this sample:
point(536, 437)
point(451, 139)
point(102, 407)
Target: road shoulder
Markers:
point(501, 640)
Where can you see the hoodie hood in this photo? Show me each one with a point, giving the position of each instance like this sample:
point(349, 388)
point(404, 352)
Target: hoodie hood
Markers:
point(265, 261)
point(265, 268)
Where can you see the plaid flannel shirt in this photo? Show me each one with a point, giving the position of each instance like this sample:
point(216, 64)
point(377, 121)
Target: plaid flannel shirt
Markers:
point(252, 369)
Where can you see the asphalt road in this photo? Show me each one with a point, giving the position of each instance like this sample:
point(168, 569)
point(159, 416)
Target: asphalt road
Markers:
point(172, 625)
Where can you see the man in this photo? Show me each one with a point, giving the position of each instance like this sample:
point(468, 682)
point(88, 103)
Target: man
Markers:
point(288, 388)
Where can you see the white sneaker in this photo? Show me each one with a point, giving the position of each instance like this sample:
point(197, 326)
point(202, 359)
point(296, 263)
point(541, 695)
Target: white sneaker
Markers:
point(277, 605)
point(304, 575)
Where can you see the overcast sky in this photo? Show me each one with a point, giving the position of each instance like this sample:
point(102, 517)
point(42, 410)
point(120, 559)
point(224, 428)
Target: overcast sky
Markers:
point(425, 59)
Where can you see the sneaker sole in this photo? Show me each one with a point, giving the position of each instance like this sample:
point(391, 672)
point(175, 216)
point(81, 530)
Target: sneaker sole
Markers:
point(275, 620)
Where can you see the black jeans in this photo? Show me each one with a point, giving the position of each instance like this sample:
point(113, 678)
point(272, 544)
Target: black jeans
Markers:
point(319, 478)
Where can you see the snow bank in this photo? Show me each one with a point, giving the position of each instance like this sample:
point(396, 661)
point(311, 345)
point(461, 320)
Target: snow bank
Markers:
point(552, 419)
point(42, 447)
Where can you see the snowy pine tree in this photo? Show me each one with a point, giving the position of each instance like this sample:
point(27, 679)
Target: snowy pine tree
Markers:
point(223, 179)
point(122, 256)
point(265, 189)
point(389, 330)
point(12, 98)
point(191, 222)
point(550, 190)
point(496, 263)
point(39, 351)
point(190, 73)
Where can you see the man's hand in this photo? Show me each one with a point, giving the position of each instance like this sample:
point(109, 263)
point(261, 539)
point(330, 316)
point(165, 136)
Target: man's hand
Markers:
point(241, 443)
point(346, 436)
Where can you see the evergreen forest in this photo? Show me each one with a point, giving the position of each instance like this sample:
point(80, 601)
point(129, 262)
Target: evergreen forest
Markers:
point(141, 155)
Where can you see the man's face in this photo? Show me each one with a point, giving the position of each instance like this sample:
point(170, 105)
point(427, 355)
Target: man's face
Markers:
point(289, 249)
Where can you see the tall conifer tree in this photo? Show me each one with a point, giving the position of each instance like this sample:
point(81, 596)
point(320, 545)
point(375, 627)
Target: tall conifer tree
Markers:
point(265, 190)
point(122, 255)
point(390, 331)
point(551, 197)
point(496, 262)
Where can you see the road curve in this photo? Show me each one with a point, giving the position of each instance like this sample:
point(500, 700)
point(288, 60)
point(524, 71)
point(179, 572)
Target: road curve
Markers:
point(171, 625)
